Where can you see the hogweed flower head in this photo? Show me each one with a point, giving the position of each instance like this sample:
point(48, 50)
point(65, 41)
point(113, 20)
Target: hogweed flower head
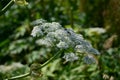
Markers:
point(54, 35)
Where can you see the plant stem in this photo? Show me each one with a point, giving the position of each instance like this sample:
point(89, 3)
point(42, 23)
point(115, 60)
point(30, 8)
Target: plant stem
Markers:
point(27, 74)
point(52, 58)
point(6, 7)
point(20, 76)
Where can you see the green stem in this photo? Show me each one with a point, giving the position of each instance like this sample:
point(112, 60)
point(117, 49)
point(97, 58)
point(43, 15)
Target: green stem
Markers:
point(6, 7)
point(27, 74)
point(20, 76)
point(47, 62)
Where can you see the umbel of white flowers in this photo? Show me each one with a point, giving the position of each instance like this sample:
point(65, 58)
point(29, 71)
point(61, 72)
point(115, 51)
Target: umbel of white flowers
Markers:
point(54, 35)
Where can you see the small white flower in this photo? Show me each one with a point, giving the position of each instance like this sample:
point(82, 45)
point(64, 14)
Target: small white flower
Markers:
point(51, 35)
point(50, 27)
point(70, 57)
point(79, 48)
point(62, 45)
point(89, 59)
point(56, 25)
point(75, 37)
point(45, 42)
point(68, 41)
point(60, 34)
point(36, 31)
point(92, 51)
point(38, 22)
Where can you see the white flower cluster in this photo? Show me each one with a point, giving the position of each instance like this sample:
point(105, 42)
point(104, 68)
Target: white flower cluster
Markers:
point(54, 35)
point(70, 57)
point(98, 30)
point(36, 31)
point(95, 31)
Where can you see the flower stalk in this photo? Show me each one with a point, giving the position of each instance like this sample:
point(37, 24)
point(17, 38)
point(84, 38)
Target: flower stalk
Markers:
point(18, 77)
point(6, 7)
point(38, 68)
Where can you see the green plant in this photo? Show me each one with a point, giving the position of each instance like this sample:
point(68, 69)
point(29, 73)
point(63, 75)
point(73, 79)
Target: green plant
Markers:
point(61, 41)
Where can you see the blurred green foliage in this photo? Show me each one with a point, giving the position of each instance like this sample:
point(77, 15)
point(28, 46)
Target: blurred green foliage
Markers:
point(16, 44)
